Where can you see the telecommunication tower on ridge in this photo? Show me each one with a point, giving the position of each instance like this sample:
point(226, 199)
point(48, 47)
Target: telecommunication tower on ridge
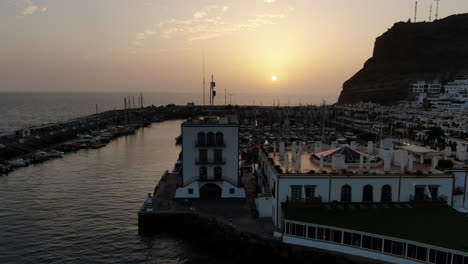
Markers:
point(415, 11)
point(437, 9)
point(430, 13)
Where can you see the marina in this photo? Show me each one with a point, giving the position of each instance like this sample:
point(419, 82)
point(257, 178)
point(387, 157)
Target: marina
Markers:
point(291, 185)
point(81, 208)
point(227, 132)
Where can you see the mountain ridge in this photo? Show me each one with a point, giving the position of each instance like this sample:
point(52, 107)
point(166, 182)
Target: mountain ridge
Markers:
point(409, 52)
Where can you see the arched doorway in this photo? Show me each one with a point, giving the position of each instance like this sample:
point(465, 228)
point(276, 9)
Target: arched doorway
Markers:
point(386, 193)
point(346, 193)
point(210, 191)
point(368, 194)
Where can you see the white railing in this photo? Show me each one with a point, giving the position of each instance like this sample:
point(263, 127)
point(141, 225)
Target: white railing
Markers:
point(451, 256)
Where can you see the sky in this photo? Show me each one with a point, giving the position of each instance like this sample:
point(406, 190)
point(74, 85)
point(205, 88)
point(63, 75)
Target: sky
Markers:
point(311, 46)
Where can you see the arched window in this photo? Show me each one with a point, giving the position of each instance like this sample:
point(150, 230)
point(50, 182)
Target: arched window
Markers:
point(219, 138)
point(203, 173)
point(210, 138)
point(346, 193)
point(201, 138)
point(368, 193)
point(218, 173)
point(386, 193)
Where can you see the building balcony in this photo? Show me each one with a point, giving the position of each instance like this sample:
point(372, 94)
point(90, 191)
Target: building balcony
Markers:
point(308, 200)
point(206, 162)
point(206, 145)
point(206, 179)
point(425, 200)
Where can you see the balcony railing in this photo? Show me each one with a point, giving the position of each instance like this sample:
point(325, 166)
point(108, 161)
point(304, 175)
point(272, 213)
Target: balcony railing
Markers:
point(315, 199)
point(213, 162)
point(206, 179)
point(425, 199)
point(206, 145)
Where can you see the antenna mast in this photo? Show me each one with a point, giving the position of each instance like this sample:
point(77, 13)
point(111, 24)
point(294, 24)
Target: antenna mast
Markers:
point(323, 120)
point(212, 91)
point(415, 11)
point(430, 13)
point(204, 78)
point(437, 9)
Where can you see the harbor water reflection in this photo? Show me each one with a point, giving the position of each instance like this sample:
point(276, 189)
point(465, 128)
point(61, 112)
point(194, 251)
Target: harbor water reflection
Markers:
point(83, 208)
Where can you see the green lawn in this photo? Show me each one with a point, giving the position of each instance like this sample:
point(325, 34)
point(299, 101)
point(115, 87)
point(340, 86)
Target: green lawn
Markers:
point(439, 226)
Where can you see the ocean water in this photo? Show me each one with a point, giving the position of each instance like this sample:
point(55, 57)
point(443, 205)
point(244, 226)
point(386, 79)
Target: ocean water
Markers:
point(83, 208)
point(19, 110)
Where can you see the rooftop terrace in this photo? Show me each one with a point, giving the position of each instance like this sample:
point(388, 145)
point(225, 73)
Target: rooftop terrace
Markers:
point(439, 226)
point(308, 164)
point(212, 120)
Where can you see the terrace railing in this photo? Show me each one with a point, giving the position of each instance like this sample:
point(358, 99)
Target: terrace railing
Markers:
point(385, 245)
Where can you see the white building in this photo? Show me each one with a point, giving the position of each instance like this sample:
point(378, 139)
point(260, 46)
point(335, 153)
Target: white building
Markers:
point(299, 189)
point(426, 87)
point(459, 85)
point(210, 167)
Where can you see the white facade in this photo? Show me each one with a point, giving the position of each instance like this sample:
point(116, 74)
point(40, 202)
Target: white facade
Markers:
point(425, 87)
point(210, 150)
point(457, 86)
point(460, 196)
point(357, 187)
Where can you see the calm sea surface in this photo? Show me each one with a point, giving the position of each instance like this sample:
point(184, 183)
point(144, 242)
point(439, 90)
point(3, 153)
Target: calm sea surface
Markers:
point(83, 208)
point(18, 110)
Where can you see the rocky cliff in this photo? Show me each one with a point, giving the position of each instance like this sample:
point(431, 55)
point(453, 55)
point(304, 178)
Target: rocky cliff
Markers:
point(409, 52)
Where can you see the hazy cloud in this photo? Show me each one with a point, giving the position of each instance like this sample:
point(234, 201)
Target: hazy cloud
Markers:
point(199, 14)
point(207, 23)
point(31, 8)
point(269, 1)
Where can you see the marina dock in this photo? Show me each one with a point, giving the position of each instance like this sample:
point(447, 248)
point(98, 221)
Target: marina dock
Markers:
point(228, 227)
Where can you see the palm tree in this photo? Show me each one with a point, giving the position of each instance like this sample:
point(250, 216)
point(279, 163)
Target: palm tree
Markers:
point(435, 136)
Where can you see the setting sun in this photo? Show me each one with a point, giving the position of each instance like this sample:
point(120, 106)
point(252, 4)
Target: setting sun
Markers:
point(274, 78)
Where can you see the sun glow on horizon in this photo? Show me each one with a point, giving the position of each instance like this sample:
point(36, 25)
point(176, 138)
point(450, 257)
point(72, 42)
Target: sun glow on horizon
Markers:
point(274, 78)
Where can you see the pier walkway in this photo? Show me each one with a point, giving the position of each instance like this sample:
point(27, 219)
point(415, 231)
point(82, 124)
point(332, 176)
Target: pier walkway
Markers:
point(236, 213)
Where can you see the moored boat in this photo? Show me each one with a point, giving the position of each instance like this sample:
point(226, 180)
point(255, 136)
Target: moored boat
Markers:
point(97, 144)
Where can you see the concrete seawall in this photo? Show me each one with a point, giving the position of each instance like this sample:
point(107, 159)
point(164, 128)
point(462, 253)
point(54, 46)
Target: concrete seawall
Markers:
point(225, 241)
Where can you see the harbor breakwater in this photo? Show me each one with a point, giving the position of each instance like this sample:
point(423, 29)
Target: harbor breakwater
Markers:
point(224, 240)
point(31, 139)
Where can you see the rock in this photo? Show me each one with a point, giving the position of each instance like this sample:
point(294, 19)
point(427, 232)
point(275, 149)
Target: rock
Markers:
point(409, 52)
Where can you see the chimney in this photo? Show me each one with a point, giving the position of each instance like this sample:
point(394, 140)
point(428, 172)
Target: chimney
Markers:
point(447, 152)
point(368, 161)
point(459, 151)
point(298, 165)
point(435, 161)
point(361, 162)
point(387, 161)
point(317, 146)
point(403, 160)
point(410, 162)
point(286, 162)
point(321, 163)
point(334, 143)
point(370, 147)
point(338, 162)
point(462, 156)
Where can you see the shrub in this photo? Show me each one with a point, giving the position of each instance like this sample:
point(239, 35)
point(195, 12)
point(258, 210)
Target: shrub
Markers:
point(445, 164)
